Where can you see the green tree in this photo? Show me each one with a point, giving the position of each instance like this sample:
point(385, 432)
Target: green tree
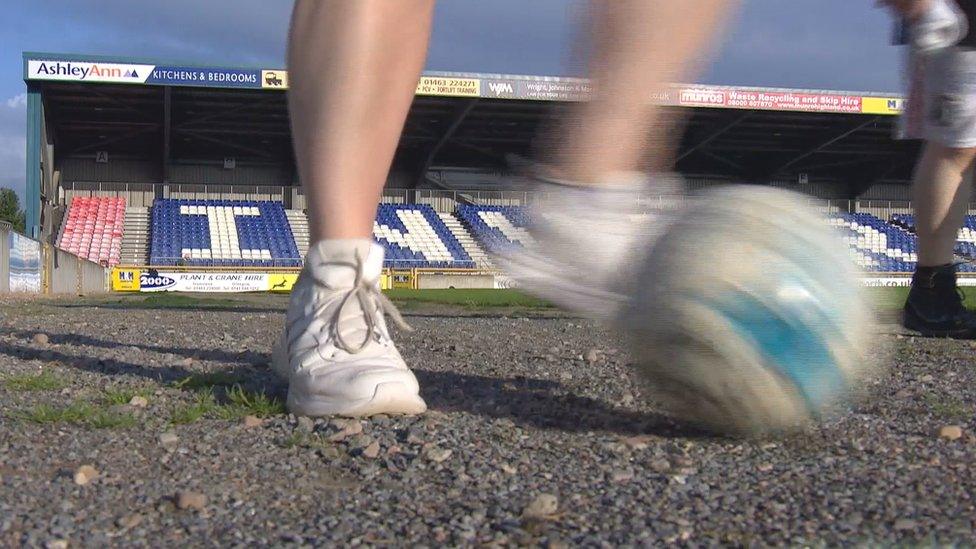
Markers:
point(10, 210)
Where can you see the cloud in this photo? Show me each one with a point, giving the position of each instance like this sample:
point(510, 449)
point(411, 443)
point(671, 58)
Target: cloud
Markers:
point(17, 101)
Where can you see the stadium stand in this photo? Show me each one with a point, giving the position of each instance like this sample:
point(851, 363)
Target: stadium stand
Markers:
point(876, 245)
point(135, 236)
point(93, 227)
point(495, 227)
point(221, 233)
point(299, 229)
point(414, 236)
point(965, 241)
point(467, 242)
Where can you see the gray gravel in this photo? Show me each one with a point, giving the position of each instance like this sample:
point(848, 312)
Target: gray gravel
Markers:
point(537, 435)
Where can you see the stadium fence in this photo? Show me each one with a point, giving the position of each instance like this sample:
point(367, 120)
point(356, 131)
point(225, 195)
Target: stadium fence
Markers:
point(33, 267)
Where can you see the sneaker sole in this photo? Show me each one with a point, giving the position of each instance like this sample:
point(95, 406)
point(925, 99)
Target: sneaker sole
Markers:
point(393, 398)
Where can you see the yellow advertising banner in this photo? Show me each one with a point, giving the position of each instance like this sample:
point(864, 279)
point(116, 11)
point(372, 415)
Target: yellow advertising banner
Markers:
point(882, 105)
point(125, 280)
point(275, 80)
point(281, 282)
point(454, 87)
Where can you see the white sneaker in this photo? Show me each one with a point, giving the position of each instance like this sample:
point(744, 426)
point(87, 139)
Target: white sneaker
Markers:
point(940, 26)
point(336, 351)
point(588, 240)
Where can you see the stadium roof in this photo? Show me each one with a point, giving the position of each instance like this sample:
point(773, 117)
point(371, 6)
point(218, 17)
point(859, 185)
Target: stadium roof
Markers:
point(184, 110)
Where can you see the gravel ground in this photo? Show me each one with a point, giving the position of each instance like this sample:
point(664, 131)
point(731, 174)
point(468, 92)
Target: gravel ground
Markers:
point(537, 435)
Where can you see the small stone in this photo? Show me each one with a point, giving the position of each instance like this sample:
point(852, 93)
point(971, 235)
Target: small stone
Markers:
point(905, 524)
point(41, 339)
point(347, 428)
point(639, 442)
point(903, 393)
point(85, 474)
point(138, 402)
point(592, 356)
point(660, 466)
point(186, 361)
point(169, 439)
point(543, 507)
point(56, 544)
point(508, 468)
point(765, 467)
point(372, 451)
point(306, 424)
point(252, 421)
point(927, 378)
point(129, 521)
point(438, 455)
point(622, 475)
point(950, 432)
point(190, 500)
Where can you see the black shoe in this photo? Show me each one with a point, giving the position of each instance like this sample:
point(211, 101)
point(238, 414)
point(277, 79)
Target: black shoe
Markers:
point(935, 305)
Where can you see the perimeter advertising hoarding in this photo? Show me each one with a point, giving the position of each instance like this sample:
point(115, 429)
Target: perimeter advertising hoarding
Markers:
point(25, 264)
point(524, 88)
point(449, 86)
point(153, 280)
point(132, 73)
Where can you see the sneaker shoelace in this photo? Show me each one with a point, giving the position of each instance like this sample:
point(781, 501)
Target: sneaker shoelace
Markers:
point(372, 303)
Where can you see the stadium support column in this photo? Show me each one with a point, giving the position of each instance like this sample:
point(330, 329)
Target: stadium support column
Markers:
point(32, 207)
point(167, 127)
point(460, 113)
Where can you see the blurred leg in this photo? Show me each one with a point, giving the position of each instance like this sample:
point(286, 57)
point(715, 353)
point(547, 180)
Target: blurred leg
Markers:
point(353, 68)
point(641, 46)
point(941, 195)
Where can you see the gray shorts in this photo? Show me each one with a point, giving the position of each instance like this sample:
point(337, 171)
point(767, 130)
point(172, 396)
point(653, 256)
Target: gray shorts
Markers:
point(941, 102)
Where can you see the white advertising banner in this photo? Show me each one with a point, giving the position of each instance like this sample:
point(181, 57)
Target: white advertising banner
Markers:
point(81, 71)
point(905, 281)
point(162, 281)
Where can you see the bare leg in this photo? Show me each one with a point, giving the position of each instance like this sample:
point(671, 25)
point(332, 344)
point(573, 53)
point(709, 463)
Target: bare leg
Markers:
point(640, 47)
point(941, 194)
point(353, 68)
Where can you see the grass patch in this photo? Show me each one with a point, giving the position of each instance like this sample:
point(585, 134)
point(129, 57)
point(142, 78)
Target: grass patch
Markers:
point(892, 299)
point(44, 381)
point(300, 439)
point(207, 382)
point(122, 395)
point(945, 406)
point(77, 413)
point(232, 403)
point(468, 298)
point(241, 402)
point(106, 419)
point(203, 404)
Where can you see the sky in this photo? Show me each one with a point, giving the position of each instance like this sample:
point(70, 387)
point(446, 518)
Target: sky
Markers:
point(819, 44)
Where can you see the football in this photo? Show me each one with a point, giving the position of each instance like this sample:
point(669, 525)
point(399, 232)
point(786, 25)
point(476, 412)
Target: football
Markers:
point(748, 317)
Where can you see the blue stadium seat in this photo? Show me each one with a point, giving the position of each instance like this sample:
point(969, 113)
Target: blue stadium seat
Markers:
point(495, 227)
point(225, 233)
point(413, 236)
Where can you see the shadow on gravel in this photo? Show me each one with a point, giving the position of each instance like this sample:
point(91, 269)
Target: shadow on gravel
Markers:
point(538, 403)
point(153, 307)
point(249, 376)
point(500, 314)
point(215, 355)
point(542, 404)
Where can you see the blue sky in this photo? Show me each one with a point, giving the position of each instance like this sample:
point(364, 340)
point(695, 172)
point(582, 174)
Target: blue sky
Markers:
point(822, 44)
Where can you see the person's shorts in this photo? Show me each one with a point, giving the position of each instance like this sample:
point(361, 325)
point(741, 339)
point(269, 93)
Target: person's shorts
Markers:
point(941, 102)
